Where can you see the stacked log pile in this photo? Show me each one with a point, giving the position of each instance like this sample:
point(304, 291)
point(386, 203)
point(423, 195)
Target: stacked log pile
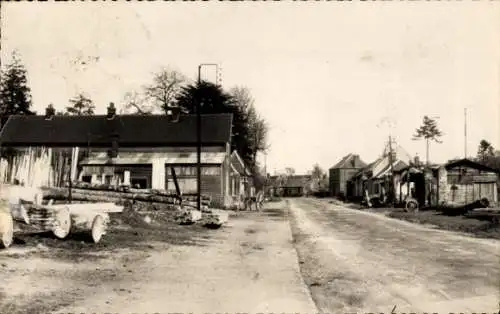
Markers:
point(214, 220)
point(6, 225)
point(92, 195)
point(185, 207)
point(187, 217)
point(46, 218)
point(41, 217)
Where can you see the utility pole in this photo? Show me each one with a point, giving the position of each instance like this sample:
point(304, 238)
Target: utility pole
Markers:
point(391, 161)
point(198, 138)
point(265, 164)
point(465, 133)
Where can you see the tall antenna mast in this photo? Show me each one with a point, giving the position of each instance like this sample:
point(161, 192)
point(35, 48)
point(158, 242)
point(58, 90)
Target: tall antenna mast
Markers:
point(465, 133)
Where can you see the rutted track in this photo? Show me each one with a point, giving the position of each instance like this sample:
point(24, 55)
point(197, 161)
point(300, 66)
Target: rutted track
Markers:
point(381, 262)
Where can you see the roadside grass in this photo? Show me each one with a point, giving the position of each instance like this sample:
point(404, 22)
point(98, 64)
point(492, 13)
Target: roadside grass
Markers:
point(476, 227)
point(436, 219)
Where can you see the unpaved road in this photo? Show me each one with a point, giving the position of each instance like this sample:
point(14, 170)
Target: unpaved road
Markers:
point(364, 262)
point(248, 266)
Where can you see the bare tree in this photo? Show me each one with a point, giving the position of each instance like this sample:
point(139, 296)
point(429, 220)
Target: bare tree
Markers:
point(242, 97)
point(256, 125)
point(167, 84)
point(135, 102)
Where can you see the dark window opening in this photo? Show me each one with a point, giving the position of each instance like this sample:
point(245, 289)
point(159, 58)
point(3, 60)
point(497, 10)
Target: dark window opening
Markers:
point(107, 180)
point(87, 179)
point(141, 183)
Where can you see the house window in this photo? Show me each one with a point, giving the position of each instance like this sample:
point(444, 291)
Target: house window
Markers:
point(190, 171)
point(185, 171)
point(188, 185)
point(141, 183)
point(87, 179)
point(211, 171)
point(107, 180)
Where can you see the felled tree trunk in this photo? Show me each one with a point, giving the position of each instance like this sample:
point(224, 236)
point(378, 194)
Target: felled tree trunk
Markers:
point(6, 226)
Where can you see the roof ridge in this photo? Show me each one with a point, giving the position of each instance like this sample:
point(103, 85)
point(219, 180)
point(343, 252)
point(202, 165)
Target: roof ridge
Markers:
point(118, 115)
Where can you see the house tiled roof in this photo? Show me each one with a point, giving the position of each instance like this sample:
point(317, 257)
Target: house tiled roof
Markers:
point(350, 161)
point(129, 130)
point(469, 163)
point(396, 166)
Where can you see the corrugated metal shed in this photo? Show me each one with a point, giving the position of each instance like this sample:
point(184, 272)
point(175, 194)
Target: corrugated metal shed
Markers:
point(137, 158)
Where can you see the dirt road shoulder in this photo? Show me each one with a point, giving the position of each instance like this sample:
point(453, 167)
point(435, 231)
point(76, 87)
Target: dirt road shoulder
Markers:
point(250, 265)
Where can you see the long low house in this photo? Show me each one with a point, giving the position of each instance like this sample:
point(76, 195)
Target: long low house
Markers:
point(289, 186)
point(136, 150)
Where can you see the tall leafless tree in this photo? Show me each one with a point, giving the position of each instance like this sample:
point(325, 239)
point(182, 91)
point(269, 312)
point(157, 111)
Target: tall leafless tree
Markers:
point(257, 126)
point(134, 102)
point(167, 84)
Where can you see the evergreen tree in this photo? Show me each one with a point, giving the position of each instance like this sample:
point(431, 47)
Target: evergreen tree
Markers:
point(428, 131)
point(485, 151)
point(213, 99)
point(15, 94)
point(81, 106)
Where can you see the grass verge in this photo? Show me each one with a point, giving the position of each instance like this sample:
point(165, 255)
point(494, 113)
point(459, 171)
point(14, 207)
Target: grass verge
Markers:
point(476, 227)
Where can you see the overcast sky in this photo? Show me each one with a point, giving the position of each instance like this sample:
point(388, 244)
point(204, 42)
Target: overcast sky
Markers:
point(323, 74)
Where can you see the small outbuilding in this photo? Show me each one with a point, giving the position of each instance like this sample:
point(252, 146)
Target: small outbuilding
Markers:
point(457, 183)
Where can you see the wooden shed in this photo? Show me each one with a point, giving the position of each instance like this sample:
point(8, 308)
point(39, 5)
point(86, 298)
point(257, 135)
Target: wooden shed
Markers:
point(456, 183)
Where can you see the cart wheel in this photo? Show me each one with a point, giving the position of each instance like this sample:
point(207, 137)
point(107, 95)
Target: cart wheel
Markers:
point(63, 223)
point(411, 206)
point(98, 228)
point(6, 230)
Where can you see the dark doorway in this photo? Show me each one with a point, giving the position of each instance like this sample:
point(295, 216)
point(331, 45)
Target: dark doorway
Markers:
point(419, 181)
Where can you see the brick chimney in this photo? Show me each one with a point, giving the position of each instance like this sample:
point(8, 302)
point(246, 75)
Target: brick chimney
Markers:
point(111, 111)
point(173, 113)
point(417, 161)
point(353, 160)
point(49, 112)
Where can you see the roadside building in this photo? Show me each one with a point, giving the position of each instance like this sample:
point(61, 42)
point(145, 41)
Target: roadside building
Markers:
point(374, 180)
point(289, 186)
point(137, 150)
point(456, 183)
point(342, 172)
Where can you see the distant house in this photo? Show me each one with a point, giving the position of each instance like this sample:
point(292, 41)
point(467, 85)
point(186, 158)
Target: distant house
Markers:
point(342, 172)
point(374, 179)
point(289, 186)
point(137, 150)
